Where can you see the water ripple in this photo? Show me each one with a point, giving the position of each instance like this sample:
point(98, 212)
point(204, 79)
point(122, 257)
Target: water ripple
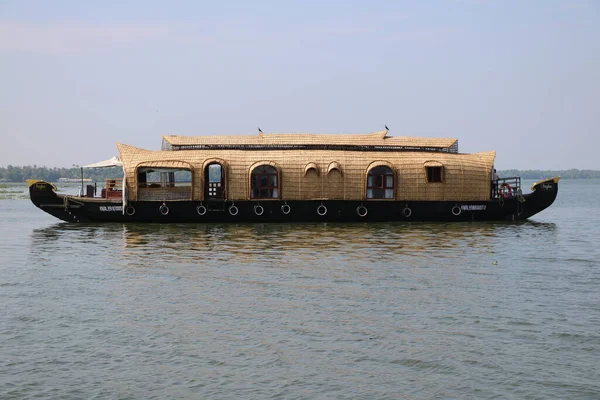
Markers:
point(411, 311)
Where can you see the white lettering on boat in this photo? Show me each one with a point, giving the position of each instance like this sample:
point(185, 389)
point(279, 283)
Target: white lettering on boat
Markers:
point(547, 186)
point(473, 207)
point(111, 208)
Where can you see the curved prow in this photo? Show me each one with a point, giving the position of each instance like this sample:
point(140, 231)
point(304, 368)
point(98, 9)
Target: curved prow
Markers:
point(43, 195)
point(542, 196)
point(546, 185)
point(39, 188)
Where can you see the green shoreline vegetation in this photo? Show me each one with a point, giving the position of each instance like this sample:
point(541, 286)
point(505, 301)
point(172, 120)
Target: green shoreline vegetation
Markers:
point(20, 174)
point(543, 174)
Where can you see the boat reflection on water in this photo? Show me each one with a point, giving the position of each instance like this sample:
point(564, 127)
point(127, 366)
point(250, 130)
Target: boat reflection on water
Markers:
point(140, 245)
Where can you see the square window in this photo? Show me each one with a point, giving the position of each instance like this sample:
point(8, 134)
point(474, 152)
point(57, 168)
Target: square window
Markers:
point(434, 174)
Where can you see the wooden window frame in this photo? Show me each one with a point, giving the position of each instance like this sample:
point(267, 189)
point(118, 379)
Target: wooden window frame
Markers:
point(432, 176)
point(222, 189)
point(270, 188)
point(380, 183)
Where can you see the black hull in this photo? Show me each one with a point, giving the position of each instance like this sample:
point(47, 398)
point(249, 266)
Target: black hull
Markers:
point(81, 209)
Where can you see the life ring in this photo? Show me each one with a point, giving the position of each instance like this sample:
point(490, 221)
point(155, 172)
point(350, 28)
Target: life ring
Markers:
point(164, 210)
point(286, 209)
point(201, 209)
point(321, 210)
point(361, 211)
point(130, 210)
point(258, 209)
point(407, 212)
point(233, 210)
point(456, 210)
point(505, 190)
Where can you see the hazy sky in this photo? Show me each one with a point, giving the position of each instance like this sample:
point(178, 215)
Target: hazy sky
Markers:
point(521, 77)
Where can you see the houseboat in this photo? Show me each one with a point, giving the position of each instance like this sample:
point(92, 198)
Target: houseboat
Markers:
point(299, 178)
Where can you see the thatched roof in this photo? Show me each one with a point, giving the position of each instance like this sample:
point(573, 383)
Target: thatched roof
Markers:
point(295, 140)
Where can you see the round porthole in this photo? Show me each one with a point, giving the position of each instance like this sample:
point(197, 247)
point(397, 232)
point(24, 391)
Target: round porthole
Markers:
point(361, 211)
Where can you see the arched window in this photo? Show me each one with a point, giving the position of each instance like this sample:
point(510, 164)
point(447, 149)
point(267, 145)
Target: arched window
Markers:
point(380, 183)
point(264, 183)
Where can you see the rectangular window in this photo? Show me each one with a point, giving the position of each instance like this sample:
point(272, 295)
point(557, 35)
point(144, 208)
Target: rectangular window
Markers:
point(174, 184)
point(434, 174)
point(214, 173)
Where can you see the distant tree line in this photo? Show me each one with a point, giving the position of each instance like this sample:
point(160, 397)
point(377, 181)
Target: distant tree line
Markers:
point(20, 174)
point(542, 174)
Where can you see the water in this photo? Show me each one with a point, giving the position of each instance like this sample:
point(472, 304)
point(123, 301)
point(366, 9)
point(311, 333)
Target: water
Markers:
point(383, 311)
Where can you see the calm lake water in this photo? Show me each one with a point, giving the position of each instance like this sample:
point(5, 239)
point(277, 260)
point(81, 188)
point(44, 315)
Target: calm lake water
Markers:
point(383, 311)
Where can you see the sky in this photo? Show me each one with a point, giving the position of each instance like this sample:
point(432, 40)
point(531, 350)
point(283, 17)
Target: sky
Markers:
point(518, 77)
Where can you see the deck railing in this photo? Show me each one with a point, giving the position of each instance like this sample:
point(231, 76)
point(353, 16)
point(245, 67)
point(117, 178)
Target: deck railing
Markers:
point(506, 187)
point(113, 188)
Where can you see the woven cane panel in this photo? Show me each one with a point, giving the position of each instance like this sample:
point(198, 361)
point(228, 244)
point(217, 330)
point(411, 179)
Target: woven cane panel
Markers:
point(165, 194)
point(466, 176)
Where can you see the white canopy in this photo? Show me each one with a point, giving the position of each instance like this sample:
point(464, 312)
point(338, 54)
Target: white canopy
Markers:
point(111, 162)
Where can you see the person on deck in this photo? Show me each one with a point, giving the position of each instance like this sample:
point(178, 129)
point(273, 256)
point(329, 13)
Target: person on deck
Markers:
point(495, 178)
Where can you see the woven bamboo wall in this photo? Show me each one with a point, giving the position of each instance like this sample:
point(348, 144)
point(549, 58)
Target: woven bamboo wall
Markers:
point(334, 185)
point(311, 185)
point(466, 176)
